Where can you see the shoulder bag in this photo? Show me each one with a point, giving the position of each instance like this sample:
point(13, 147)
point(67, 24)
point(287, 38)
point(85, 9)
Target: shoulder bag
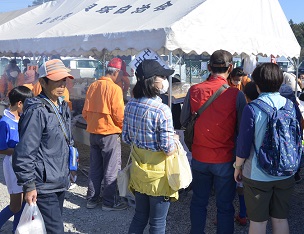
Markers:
point(73, 152)
point(189, 128)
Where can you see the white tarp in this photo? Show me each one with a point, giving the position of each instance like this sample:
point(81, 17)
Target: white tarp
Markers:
point(74, 27)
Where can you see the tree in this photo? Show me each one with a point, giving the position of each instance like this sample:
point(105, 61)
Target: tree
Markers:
point(298, 30)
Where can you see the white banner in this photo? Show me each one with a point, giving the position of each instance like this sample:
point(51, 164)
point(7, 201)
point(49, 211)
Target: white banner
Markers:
point(146, 54)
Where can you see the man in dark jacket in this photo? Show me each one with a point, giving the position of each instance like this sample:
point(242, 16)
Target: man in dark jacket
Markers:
point(40, 160)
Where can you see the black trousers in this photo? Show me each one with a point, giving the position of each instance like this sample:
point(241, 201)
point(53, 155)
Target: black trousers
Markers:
point(51, 207)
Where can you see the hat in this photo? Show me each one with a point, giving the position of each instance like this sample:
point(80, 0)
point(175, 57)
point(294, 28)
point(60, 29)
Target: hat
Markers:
point(124, 68)
point(54, 70)
point(220, 58)
point(177, 76)
point(149, 68)
point(115, 63)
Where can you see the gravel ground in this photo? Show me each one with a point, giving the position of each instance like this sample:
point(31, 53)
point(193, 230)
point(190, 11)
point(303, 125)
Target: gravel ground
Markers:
point(79, 219)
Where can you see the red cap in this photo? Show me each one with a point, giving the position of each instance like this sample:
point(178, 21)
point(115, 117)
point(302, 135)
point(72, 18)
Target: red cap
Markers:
point(116, 63)
point(124, 68)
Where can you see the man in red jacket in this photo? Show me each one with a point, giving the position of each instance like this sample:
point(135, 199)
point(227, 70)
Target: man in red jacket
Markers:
point(213, 145)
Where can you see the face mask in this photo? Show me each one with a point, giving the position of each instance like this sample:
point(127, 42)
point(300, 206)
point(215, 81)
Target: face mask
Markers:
point(235, 82)
point(14, 74)
point(165, 84)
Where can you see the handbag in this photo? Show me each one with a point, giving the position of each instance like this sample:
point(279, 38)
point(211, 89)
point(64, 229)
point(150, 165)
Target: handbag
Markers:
point(123, 176)
point(73, 152)
point(189, 127)
point(31, 221)
point(123, 179)
point(178, 169)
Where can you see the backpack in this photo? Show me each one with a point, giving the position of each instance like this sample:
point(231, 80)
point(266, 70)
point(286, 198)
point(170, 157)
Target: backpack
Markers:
point(281, 149)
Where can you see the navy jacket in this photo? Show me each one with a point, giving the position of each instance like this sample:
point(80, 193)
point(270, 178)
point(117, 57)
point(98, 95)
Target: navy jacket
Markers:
point(40, 159)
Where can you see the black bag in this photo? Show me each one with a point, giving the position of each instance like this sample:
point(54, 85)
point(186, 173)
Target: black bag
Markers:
point(189, 128)
point(189, 131)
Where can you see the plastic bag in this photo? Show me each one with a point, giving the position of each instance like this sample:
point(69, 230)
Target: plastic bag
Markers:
point(178, 169)
point(123, 178)
point(31, 221)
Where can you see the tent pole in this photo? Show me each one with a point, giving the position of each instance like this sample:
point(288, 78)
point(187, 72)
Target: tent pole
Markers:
point(170, 83)
point(297, 75)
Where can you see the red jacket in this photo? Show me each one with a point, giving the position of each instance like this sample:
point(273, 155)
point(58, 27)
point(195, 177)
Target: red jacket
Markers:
point(215, 129)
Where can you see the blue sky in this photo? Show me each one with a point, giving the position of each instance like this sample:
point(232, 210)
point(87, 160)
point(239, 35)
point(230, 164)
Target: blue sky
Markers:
point(293, 9)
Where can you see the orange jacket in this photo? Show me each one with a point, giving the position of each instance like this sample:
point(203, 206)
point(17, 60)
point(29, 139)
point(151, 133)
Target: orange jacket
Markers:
point(37, 90)
point(104, 107)
point(30, 86)
point(6, 86)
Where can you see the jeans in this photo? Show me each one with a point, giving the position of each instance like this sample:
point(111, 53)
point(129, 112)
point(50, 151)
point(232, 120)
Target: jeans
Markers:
point(154, 209)
point(105, 162)
point(51, 207)
point(206, 175)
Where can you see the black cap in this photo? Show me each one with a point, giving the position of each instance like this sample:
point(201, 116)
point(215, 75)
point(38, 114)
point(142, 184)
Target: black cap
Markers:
point(220, 58)
point(149, 68)
point(13, 61)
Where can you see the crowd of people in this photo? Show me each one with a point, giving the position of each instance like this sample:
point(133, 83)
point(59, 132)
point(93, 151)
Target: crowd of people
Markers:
point(224, 155)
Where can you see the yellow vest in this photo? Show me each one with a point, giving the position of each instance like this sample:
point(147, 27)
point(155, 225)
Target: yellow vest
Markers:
point(148, 173)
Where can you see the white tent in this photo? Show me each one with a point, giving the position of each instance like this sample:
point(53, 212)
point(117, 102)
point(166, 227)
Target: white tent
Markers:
point(73, 27)
point(7, 16)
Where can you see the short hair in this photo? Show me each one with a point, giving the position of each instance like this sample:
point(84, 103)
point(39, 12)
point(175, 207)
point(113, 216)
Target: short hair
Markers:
point(46, 80)
point(250, 91)
point(268, 77)
point(19, 93)
point(111, 70)
point(145, 88)
point(237, 72)
point(26, 61)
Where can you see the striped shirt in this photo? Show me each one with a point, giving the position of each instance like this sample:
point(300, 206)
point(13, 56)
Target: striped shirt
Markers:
point(148, 124)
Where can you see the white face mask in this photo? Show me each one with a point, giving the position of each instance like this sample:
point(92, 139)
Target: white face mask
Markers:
point(235, 82)
point(14, 74)
point(165, 84)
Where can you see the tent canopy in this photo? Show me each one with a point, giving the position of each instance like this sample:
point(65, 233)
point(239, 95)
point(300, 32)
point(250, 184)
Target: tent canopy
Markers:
point(90, 27)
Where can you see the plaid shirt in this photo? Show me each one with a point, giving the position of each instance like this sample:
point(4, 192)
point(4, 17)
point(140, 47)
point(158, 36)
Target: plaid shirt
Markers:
point(148, 124)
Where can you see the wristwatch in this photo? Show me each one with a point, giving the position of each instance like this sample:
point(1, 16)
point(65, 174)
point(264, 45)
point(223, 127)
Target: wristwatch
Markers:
point(237, 167)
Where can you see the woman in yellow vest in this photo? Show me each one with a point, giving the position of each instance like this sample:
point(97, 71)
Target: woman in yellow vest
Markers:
point(148, 127)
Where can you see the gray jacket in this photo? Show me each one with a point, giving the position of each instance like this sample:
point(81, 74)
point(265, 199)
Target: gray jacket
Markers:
point(40, 159)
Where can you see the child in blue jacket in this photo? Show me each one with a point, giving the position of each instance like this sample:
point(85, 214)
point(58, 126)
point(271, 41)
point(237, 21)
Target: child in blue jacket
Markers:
point(9, 138)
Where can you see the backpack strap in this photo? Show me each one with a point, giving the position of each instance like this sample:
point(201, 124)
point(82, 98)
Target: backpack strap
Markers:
point(263, 106)
point(289, 105)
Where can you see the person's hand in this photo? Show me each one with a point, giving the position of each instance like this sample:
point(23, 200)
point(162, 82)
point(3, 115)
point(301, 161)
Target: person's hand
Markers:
point(31, 197)
point(176, 137)
point(237, 175)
